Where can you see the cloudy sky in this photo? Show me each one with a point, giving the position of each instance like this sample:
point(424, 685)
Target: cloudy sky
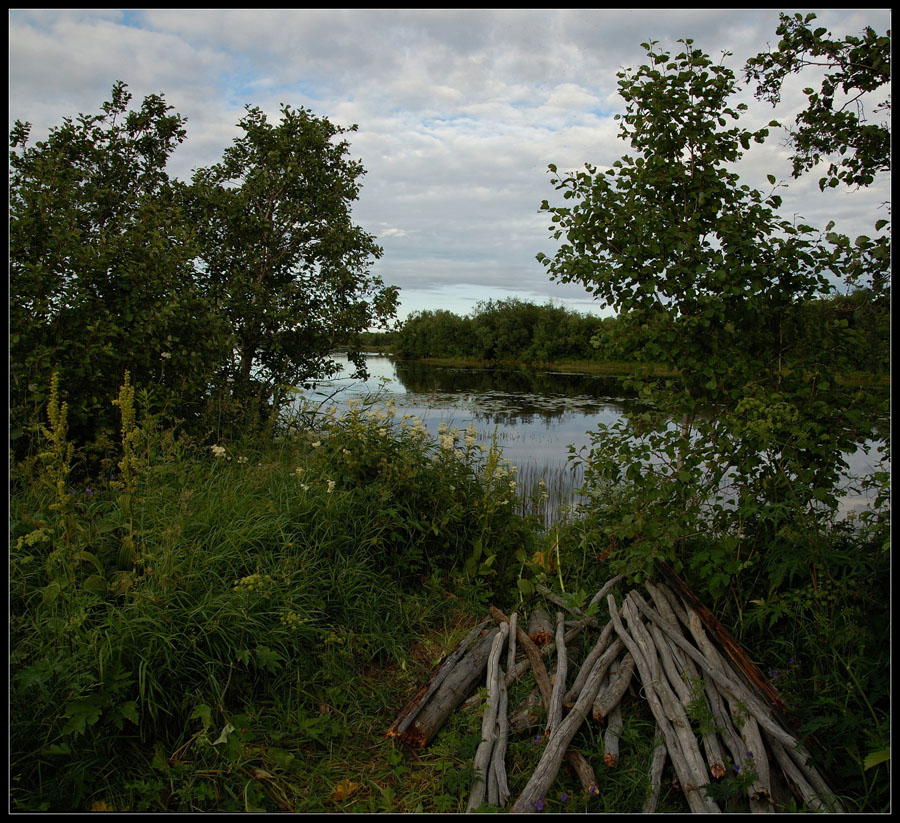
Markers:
point(459, 113)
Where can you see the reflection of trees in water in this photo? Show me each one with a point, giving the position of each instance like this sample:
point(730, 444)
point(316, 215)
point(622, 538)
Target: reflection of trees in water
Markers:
point(508, 396)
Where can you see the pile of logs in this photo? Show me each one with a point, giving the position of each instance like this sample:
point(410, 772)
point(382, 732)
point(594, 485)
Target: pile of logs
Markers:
point(714, 710)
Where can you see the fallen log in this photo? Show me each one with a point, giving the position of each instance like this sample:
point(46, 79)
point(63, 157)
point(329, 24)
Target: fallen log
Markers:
point(657, 764)
point(612, 694)
point(555, 707)
point(425, 716)
point(540, 629)
point(614, 729)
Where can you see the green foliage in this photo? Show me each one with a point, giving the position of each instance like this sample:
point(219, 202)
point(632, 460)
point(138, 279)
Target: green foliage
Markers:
point(101, 270)
point(287, 265)
point(254, 581)
point(510, 329)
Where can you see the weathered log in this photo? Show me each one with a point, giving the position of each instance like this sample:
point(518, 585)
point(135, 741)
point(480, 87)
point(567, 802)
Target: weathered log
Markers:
point(540, 629)
point(555, 707)
point(421, 697)
point(656, 770)
point(614, 729)
point(796, 778)
point(612, 694)
point(696, 801)
point(690, 689)
point(498, 756)
point(548, 766)
point(455, 686)
point(484, 784)
point(583, 770)
point(534, 655)
point(527, 714)
point(572, 694)
point(760, 684)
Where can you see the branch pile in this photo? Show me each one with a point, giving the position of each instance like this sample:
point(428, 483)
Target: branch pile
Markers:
point(712, 706)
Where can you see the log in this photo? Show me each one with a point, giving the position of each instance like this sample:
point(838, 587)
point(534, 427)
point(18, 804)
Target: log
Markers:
point(540, 629)
point(611, 696)
point(572, 694)
point(498, 756)
point(696, 801)
point(527, 714)
point(534, 655)
point(762, 713)
point(555, 707)
point(656, 770)
point(693, 761)
point(483, 783)
point(583, 770)
point(455, 686)
point(421, 697)
point(614, 729)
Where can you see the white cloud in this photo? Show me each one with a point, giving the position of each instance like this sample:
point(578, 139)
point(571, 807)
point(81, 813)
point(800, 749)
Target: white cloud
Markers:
point(459, 111)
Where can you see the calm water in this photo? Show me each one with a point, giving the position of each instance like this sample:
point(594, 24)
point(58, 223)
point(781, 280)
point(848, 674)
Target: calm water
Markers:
point(535, 415)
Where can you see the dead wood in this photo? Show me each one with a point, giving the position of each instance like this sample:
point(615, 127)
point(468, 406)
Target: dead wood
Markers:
point(656, 770)
point(412, 708)
point(614, 729)
point(555, 707)
point(483, 775)
point(527, 714)
point(582, 769)
point(534, 656)
point(548, 766)
point(696, 801)
point(612, 693)
point(571, 695)
point(540, 628)
point(455, 686)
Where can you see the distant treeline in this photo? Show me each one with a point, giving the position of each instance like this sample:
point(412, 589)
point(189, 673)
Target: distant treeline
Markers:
point(851, 333)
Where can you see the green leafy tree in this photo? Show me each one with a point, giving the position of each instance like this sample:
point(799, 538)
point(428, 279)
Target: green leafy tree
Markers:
point(834, 124)
point(289, 268)
point(102, 278)
point(671, 231)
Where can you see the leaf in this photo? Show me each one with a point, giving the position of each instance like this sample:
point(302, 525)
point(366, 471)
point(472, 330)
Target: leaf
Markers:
point(204, 714)
point(344, 789)
point(874, 758)
point(82, 713)
point(771, 178)
point(223, 737)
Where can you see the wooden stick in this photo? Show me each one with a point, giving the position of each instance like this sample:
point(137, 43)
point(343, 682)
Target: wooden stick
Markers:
point(488, 724)
point(548, 766)
point(414, 706)
point(534, 655)
point(454, 688)
point(733, 689)
point(656, 769)
point(672, 707)
point(610, 696)
point(696, 801)
point(555, 708)
point(540, 629)
point(571, 695)
point(614, 729)
point(583, 770)
point(498, 756)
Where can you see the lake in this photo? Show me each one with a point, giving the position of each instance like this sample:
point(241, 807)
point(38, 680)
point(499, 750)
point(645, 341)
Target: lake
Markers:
point(535, 415)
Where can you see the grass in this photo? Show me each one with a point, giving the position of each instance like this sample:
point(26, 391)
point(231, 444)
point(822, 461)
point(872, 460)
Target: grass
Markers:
point(234, 628)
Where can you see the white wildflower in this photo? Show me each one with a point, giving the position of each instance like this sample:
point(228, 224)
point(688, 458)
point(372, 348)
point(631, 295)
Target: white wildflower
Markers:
point(330, 485)
point(218, 451)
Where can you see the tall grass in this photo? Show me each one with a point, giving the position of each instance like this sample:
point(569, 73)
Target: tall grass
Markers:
point(171, 604)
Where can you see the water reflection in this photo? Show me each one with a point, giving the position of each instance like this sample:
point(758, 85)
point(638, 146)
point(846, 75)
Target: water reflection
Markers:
point(533, 415)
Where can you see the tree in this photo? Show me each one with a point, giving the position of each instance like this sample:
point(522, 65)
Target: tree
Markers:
point(855, 66)
point(672, 230)
point(101, 270)
point(288, 267)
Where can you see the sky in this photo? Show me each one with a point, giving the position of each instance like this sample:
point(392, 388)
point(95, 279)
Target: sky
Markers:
point(459, 114)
